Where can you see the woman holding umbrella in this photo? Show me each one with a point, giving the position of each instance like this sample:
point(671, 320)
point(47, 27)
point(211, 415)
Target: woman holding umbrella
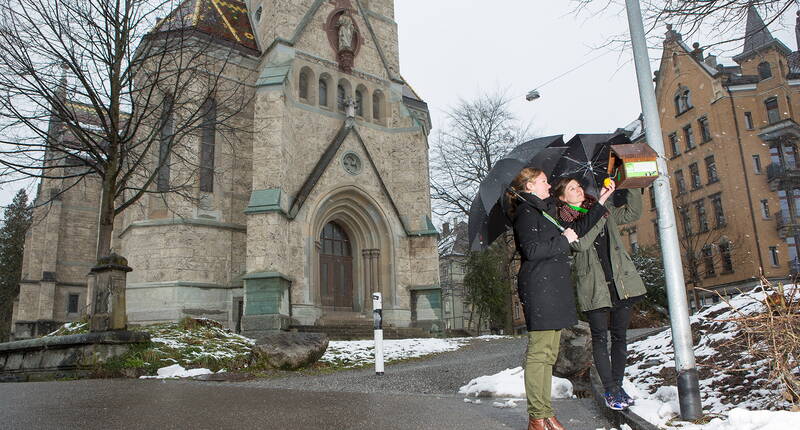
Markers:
point(543, 283)
point(608, 283)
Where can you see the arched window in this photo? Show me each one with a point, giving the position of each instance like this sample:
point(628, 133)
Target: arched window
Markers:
point(303, 85)
point(764, 70)
point(340, 97)
point(359, 103)
point(207, 146)
point(377, 100)
point(164, 147)
point(683, 100)
point(323, 92)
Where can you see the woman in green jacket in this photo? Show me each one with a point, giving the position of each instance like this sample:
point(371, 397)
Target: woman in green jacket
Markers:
point(607, 281)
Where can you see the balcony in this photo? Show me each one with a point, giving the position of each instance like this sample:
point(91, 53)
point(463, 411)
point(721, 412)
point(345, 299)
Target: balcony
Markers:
point(787, 224)
point(778, 174)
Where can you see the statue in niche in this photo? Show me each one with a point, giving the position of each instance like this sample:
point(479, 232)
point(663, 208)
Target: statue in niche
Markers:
point(346, 33)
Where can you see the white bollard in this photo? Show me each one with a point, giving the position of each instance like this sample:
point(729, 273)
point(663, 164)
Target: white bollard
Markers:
point(377, 315)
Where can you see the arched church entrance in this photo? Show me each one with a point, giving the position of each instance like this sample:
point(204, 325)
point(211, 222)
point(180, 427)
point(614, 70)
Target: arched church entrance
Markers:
point(336, 268)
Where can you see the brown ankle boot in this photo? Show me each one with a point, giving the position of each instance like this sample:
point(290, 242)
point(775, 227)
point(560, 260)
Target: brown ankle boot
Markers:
point(536, 424)
point(553, 424)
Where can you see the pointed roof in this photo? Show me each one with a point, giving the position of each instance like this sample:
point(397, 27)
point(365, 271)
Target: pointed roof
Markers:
point(223, 20)
point(756, 33)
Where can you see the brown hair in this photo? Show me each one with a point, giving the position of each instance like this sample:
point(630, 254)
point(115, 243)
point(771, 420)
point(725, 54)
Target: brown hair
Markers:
point(518, 186)
point(560, 187)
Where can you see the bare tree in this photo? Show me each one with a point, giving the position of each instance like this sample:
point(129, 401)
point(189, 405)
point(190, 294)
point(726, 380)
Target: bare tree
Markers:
point(105, 89)
point(478, 133)
point(708, 250)
point(720, 21)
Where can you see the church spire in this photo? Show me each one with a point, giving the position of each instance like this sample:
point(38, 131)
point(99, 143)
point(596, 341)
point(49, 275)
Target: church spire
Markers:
point(756, 33)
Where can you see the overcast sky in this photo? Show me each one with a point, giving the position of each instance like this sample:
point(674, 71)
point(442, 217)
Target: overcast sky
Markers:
point(451, 49)
point(457, 48)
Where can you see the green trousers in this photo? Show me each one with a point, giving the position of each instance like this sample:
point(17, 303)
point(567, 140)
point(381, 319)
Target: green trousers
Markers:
point(539, 361)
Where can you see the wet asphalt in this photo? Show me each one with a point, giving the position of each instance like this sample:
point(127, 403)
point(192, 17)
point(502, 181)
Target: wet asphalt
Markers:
point(418, 394)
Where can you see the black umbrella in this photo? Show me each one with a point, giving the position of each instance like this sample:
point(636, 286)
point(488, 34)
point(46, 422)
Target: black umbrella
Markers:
point(542, 153)
point(487, 219)
point(586, 159)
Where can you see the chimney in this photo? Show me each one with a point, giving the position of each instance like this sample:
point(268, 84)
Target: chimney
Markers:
point(445, 229)
point(711, 60)
point(797, 30)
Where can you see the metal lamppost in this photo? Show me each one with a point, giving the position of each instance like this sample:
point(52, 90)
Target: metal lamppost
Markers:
point(688, 386)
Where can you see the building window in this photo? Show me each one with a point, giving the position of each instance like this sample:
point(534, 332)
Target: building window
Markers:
point(725, 254)
point(207, 146)
point(72, 303)
point(359, 103)
point(773, 255)
point(757, 164)
point(708, 261)
point(764, 70)
point(652, 198)
point(686, 219)
point(377, 99)
point(765, 209)
point(773, 114)
point(689, 136)
point(323, 92)
point(694, 171)
point(673, 144)
point(748, 120)
point(700, 207)
point(683, 100)
point(165, 144)
point(680, 182)
point(705, 132)
point(340, 97)
point(711, 170)
point(303, 85)
point(656, 232)
point(719, 214)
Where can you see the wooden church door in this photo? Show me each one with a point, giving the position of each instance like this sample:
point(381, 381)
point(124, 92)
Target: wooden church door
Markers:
point(336, 268)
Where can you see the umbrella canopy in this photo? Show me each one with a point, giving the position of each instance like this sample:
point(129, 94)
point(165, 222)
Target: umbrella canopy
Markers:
point(542, 153)
point(586, 159)
point(487, 219)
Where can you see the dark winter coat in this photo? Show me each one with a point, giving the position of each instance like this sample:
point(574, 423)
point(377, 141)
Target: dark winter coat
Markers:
point(543, 283)
point(591, 281)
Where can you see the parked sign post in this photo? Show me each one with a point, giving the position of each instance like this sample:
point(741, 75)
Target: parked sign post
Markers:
point(377, 315)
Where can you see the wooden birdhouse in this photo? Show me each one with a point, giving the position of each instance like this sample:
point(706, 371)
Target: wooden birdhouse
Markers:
point(632, 165)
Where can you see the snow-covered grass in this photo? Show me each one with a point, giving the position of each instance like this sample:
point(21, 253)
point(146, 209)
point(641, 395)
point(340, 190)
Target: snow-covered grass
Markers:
point(359, 353)
point(736, 389)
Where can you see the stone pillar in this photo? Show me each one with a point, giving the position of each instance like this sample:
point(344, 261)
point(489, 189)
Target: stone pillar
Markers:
point(266, 303)
point(107, 286)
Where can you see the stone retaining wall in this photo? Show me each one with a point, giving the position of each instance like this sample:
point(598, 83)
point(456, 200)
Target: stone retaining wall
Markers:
point(57, 357)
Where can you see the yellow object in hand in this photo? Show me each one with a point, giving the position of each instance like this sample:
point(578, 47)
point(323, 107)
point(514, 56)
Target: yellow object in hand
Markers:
point(606, 182)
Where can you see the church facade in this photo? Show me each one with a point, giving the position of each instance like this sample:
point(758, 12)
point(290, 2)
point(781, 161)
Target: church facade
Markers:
point(320, 202)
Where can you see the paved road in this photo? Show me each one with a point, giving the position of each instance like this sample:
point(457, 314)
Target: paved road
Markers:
point(412, 395)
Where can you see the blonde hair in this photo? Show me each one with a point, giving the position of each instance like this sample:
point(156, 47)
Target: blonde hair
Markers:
point(518, 185)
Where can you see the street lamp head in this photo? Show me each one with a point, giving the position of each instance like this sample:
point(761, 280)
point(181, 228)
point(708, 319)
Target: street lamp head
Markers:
point(532, 95)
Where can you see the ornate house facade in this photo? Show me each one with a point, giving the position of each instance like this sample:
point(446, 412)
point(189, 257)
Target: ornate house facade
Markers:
point(321, 202)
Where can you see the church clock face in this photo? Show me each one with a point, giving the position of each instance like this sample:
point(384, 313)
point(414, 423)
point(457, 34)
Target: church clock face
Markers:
point(351, 163)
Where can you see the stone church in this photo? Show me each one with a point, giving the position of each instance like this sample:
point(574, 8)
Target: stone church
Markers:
point(325, 202)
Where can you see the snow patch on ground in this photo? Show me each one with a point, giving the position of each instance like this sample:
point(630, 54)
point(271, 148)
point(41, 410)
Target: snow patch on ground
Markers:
point(177, 371)
point(511, 383)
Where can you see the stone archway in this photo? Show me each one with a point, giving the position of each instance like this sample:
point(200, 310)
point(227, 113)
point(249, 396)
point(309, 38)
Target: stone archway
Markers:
point(371, 249)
